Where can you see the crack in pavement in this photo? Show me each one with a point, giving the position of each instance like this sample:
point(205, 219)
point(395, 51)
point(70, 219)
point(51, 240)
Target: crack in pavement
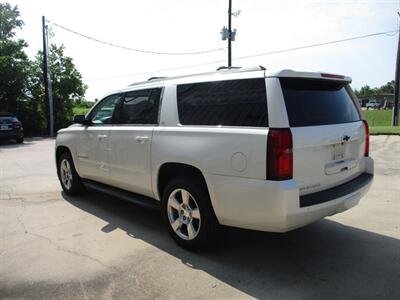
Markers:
point(75, 253)
point(58, 247)
point(20, 216)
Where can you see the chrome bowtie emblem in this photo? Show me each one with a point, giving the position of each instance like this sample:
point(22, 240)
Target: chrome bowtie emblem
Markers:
point(345, 138)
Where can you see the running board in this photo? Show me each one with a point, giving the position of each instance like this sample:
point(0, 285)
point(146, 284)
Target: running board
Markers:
point(137, 199)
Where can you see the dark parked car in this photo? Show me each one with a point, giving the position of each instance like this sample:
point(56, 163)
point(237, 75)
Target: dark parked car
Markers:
point(11, 127)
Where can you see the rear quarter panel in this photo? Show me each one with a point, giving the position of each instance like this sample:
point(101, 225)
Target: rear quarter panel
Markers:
point(219, 151)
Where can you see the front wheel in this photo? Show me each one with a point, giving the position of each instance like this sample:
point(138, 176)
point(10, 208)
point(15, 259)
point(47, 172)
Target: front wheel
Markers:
point(70, 181)
point(188, 213)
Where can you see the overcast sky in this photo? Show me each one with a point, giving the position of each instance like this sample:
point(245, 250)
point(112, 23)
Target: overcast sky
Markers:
point(193, 25)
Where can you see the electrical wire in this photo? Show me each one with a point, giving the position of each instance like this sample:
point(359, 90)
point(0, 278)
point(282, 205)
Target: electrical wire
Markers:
point(388, 33)
point(133, 49)
point(318, 45)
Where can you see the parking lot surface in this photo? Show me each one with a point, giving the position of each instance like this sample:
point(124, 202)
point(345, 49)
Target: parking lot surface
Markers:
point(99, 247)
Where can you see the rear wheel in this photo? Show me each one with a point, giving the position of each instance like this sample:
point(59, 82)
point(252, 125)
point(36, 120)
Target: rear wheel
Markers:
point(70, 181)
point(188, 213)
point(19, 140)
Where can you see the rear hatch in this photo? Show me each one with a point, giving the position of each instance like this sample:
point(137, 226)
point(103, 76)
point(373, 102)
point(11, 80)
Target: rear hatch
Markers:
point(6, 121)
point(328, 132)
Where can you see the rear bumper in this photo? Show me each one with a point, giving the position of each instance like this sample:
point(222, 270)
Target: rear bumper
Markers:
point(9, 134)
point(277, 206)
point(336, 192)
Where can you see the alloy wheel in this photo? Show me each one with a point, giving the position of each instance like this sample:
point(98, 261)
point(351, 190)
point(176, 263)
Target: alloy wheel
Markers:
point(66, 173)
point(184, 214)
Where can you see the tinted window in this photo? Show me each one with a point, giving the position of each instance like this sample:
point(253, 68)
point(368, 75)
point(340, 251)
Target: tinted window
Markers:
point(140, 107)
point(230, 103)
point(8, 118)
point(103, 112)
point(312, 102)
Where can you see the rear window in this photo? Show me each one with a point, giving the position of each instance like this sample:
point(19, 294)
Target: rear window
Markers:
point(312, 102)
point(227, 103)
point(8, 118)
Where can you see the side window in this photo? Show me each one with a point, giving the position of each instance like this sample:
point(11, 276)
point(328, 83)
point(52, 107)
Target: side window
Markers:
point(228, 103)
point(103, 112)
point(140, 107)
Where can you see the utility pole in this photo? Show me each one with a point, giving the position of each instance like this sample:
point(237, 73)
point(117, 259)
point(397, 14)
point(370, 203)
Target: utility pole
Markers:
point(47, 79)
point(395, 115)
point(230, 34)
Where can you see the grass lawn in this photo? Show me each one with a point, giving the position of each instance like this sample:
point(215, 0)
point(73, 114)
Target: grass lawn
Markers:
point(378, 117)
point(380, 121)
point(384, 130)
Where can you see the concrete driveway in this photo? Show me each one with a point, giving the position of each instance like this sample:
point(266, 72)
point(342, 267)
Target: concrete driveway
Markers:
point(98, 247)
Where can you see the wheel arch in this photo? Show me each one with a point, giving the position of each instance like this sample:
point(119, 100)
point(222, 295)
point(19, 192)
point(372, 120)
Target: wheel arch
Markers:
point(59, 151)
point(170, 170)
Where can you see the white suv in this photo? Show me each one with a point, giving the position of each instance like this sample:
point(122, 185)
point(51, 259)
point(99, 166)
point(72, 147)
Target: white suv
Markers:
point(243, 148)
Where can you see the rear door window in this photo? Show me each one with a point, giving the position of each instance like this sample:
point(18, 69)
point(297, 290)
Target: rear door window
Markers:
point(313, 102)
point(227, 103)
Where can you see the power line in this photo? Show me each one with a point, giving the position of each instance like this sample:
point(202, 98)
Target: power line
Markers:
point(319, 44)
point(388, 33)
point(133, 49)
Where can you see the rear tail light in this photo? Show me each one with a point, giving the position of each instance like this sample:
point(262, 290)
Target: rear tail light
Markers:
point(279, 154)
point(366, 149)
point(17, 124)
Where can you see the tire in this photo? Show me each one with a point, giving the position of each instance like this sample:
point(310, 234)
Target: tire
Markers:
point(187, 207)
point(70, 181)
point(19, 140)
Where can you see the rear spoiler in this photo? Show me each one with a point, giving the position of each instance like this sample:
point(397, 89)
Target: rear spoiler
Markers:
point(314, 75)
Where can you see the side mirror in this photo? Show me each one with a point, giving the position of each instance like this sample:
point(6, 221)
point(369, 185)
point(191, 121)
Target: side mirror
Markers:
point(81, 119)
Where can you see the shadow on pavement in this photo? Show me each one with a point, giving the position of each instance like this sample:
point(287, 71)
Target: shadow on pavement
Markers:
point(323, 260)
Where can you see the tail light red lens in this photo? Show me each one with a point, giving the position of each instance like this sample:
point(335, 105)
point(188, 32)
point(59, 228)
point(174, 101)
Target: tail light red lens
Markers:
point(279, 154)
point(366, 149)
point(17, 124)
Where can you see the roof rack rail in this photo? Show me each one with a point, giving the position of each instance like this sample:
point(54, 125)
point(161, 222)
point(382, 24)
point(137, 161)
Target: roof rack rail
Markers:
point(228, 68)
point(240, 69)
point(156, 77)
point(150, 79)
point(224, 70)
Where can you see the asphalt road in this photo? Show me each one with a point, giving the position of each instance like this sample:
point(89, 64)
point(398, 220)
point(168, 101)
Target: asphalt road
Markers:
point(99, 247)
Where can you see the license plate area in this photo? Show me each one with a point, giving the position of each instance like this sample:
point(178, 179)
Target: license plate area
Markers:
point(4, 127)
point(338, 151)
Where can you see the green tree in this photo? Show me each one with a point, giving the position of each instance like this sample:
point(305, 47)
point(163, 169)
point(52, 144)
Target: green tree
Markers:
point(388, 88)
point(9, 21)
point(367, 91)
point(68, 87)
point(13, 61)
point(21, 80)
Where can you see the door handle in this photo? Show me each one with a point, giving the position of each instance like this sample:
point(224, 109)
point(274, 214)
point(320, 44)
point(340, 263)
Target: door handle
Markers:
point(141, 139)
